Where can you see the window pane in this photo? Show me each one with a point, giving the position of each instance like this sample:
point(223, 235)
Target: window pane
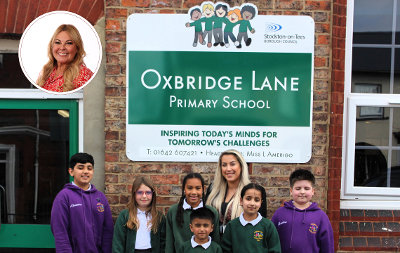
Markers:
point(396, 128)
point(398, 23)
point(33, 142)
point(371, 66)
point(370, 129)
point(373, 21)
point(395, 159)
point(371, 170)
point(377, 160)
point(11, 75)
point(396, 85)
point(369, 162)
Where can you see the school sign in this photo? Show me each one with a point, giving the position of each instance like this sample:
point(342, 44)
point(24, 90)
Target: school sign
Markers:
point(191, 96)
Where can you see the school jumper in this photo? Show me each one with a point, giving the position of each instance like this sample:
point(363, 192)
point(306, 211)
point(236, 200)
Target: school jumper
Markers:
point(81, 221)
point(125, 238)
point(193, 247)
point(177, 235)
point(303, 231)
point(256, 236)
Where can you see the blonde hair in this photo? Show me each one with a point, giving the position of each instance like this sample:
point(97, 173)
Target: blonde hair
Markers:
point(219, 187)
point(133, 222)
point(72, 70)
point(237, 12)
point(208, 6)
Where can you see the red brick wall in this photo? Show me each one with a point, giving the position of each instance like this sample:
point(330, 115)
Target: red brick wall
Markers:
point(336, 115)
point(372, 230)
point(120, 172)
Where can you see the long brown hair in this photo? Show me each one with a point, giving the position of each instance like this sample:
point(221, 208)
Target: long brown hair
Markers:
point(220, 185)
point(133, 222)
point(72, 70)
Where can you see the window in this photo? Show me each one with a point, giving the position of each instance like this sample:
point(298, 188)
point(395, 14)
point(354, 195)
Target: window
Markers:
point(11, 75)
point(371, 148)
point(38, 132)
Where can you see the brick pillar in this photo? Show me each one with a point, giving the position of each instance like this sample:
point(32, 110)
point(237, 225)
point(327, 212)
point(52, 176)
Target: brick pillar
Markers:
point(336, 116)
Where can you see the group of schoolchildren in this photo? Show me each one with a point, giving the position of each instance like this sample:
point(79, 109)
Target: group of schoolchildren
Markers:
point(215, 17)
point(81, 219)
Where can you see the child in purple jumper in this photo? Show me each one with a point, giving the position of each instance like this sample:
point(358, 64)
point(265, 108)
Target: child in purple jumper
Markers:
point(302, 226)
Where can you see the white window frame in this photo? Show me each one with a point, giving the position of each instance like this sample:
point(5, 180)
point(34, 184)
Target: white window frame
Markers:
point(355, 197)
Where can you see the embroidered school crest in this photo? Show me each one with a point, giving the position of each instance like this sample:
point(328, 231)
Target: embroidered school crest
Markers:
point(313, 228)
point(100, 207)
point(258, 235)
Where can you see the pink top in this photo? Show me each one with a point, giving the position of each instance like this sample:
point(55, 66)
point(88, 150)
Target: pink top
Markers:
point(55, 83)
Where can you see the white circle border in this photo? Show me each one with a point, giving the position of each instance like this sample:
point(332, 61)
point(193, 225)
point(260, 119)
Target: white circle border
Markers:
point(77, 18)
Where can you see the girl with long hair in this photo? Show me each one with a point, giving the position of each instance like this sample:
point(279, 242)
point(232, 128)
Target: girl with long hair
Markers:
point(178, 216)
point(140, 227)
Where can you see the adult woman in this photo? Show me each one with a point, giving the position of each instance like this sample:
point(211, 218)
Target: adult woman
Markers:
point(223, 194)
point(65, 70)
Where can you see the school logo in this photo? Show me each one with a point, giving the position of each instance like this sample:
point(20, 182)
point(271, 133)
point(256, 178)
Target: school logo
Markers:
point(313, 228)
point(281, 223)
point(258, 235)
point(272, 27)
point(100, 207)
point(219, 25)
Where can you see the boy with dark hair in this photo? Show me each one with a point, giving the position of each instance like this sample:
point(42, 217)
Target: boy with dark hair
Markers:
point(302, 226)
point(248, 12)
point(201, 224)
point(81, 218)
point(195, 15)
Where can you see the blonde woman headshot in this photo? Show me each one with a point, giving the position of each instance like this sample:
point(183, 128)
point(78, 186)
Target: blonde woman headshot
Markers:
point(65, 70)
point(223, 194)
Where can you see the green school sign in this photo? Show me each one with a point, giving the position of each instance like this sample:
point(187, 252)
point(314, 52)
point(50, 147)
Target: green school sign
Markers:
point(188, 102)
point(201, 88)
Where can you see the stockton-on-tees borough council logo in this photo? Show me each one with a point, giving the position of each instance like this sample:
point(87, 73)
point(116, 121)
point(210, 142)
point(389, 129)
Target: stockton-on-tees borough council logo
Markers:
point(272, 27)
point(100, 207)
point(313, 228)
point(226, 25)
point(258, 235)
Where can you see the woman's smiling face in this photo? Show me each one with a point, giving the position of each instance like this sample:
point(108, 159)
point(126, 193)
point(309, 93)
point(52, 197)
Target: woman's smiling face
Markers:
point(64, 48)
point(231, 168)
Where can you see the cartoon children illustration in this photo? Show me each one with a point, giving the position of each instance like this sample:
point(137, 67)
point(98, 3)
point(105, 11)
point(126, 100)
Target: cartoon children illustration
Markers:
point(220, 17)
point(208, 13)
point(233, 17)
point(248, 12)
point(195, 15)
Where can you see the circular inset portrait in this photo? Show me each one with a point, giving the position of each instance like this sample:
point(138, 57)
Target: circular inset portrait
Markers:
point(60, 52)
